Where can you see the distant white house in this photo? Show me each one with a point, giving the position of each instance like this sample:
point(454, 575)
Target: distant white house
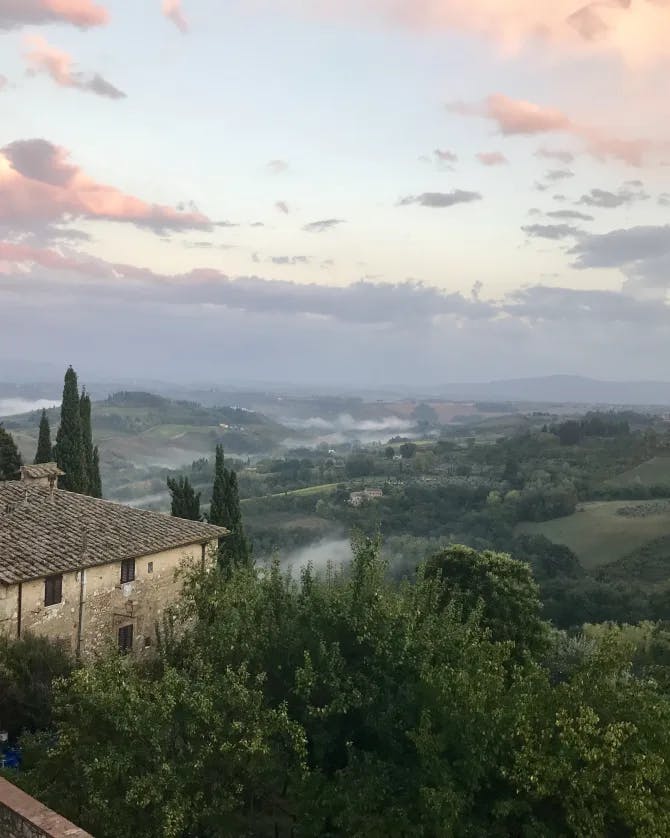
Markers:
point(358, 498)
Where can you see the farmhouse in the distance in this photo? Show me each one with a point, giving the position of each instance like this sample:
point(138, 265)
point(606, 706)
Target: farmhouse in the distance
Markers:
point(88, 573)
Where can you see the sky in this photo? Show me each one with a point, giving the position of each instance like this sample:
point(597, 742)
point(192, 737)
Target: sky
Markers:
point(344, 192)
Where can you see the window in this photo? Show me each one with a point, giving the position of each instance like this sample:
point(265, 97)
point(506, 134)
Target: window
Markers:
point(126, 639)
point(127, 570)
point(150, 567)
point(53, 590)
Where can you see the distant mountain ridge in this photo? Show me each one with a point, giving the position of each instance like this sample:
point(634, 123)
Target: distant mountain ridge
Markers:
point(562, 389)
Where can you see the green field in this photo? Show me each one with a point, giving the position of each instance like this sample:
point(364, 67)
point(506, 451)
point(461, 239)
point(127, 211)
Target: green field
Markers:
point(598, 533)
point(654, 472)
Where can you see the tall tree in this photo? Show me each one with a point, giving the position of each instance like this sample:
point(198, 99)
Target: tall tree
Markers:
point(86, 438)
point(185, 500)
point(95, 484)
point(218, 510)
point(91, 454)
point(225, 511)
point(44, 447)
point(69, 442)
point(10, 458)
point(236, 545)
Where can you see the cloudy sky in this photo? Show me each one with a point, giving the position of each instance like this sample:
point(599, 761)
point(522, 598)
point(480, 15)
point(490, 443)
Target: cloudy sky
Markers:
point(336, 191)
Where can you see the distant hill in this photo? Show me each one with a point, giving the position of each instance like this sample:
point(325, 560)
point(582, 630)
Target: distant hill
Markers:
point(562, 389)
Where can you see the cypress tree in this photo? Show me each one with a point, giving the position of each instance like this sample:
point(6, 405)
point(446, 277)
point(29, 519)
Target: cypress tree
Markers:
point(185, 500)
point(91, 476)
point(44, 447)
point(10, 458)
point(69, 443)
point(95, 485)
point(225, 511)
point(218, 510)
point(238, 547)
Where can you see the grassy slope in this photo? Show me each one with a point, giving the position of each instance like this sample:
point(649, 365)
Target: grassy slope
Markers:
point(599, 536)
point(654, 472)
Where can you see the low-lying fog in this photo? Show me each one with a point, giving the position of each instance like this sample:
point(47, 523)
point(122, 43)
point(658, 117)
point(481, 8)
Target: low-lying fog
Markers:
point(319, 555)
point(15, 406)
point(345, 428)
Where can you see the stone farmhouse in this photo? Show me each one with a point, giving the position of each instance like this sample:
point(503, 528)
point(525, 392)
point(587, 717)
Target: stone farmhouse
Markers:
point(89, 573)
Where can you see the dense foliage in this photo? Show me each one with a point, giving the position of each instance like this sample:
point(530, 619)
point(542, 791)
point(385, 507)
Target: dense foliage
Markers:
point(346, 705)
point(44, 453)
point(10, 458)
point(28, 668)
point(69, 440)
point(184, 500)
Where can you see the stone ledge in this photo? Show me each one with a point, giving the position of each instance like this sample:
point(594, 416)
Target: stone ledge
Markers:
point(21, 816)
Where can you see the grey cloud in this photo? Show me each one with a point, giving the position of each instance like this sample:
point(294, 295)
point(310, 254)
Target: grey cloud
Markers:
point(363, 335)
point(664, 199)
point(100, 87)
point(560, 197)
point(39, 160)
point(323, 226)
point(441, 199)
point(551, 231)
point(559, 174)
point(445, 156)
point(289, 260)
point(282, 206)
point(570, 215)
point(555, 154)
point(611, 200)
point(621, 248)
point(277, 167)
point(4, 81)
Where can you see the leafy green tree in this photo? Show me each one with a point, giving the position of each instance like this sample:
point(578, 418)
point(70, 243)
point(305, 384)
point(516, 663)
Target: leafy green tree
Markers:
point(504, 590)
point(44, 447)
point(10, 458)
point(70, 454)
point(344, 704)
point(408, 450)
point(185, 501)
point(28, 668)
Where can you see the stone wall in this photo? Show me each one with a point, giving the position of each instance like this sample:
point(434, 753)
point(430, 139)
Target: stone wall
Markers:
point(21, 816)
point(107, 603)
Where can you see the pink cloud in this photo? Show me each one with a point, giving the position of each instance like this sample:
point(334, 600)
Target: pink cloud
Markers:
point(38, 184)
point(22, 254)
point(58, 65)
point(81, 13)
point(492, 158)
point(173, 11)
point(3, 82)
point(635, 30)
point(515, 117)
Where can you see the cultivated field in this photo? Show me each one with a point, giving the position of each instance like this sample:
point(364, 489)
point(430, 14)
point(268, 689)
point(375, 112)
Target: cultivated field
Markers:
point(604, 532)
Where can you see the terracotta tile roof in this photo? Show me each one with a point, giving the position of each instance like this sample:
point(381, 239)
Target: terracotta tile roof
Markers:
point(35, 472)
point(44, 532)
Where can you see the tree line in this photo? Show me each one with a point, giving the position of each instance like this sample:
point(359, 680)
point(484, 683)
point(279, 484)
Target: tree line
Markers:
point(342, 704)
point(224, 510)
point(73, 452)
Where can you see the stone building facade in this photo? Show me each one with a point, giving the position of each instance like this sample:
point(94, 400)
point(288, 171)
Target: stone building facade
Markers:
point(88, 573)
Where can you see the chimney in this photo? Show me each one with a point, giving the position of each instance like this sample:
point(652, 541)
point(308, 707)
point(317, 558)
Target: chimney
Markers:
point(44, 475)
